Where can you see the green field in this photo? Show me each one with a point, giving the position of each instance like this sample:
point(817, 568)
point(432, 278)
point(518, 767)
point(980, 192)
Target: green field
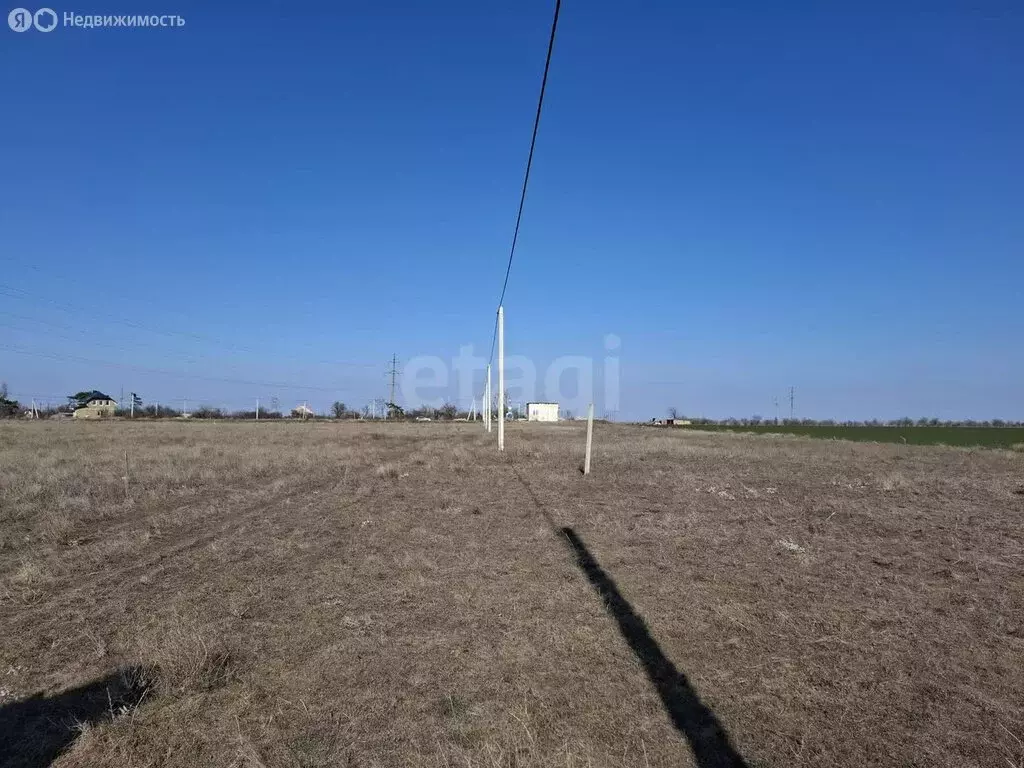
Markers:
point(987, 437)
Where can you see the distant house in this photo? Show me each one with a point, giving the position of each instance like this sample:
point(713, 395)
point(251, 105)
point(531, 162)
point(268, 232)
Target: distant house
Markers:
point(542, 411)
point(302, 412)
point(678, 422)
point(95, 405)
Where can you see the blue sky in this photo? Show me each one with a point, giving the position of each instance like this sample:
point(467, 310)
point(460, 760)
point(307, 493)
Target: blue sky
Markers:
point(750, 197)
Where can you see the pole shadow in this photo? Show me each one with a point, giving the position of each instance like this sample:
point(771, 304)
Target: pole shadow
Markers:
point(35, 731)
point(692, 718)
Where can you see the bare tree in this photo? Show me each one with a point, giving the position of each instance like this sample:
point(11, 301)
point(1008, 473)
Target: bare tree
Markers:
point(338, 409)
point(673, 413)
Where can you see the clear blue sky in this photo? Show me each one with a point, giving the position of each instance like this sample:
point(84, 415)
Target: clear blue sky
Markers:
point(750, 197)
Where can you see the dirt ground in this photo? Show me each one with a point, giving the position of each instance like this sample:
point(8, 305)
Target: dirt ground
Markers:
point(404, 595)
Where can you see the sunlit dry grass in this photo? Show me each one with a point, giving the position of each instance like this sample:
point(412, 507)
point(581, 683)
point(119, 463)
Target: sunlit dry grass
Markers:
point(375, 595)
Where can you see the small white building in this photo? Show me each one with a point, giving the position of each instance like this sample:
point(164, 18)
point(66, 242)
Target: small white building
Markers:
point(542, 411)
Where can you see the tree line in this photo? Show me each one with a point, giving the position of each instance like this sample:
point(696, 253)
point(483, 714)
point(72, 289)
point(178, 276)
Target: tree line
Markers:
point(906, 421)
point(10, 408)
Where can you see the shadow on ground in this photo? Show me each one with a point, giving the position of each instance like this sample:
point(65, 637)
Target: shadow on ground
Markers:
point(690, 716)
point(35, 731)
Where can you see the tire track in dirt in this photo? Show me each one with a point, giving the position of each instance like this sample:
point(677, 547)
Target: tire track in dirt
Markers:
point(68, 590)
point(171, 550)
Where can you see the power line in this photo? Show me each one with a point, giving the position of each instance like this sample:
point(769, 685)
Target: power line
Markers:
point(197, 357)
point(529, 165)
point(92, 343)
point(18, 293)
point(29, 396)
point(143, 369)
point(62, 398)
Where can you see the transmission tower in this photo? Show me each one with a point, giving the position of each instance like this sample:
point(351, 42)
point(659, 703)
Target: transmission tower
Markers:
point(393, 373)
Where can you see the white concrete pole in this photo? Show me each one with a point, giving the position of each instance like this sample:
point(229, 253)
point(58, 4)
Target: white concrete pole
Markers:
point(590, 438)
point(501, 378)
point(257, 409)
point(487, 397)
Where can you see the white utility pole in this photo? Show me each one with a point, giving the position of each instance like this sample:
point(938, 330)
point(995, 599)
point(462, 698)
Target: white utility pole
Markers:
point(590, 438)
point(501, 378)
point(257, 409)
point(487, 397)
point(132, 395)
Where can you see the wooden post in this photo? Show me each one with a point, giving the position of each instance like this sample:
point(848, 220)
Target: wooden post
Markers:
point(590, 438)
point(126, 496)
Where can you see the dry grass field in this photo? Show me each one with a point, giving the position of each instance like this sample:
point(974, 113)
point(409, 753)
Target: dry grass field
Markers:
point(402, 595)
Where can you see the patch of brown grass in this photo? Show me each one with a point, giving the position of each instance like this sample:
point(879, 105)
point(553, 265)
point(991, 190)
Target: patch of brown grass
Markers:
point(183, 659)
point(56, 527)
point(839, 604)
point(388, 471)
point(893, 481)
